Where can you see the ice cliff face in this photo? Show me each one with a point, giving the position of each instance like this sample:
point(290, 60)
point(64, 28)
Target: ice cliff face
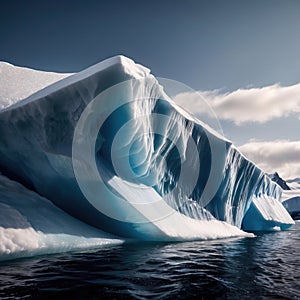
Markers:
point(109, 147)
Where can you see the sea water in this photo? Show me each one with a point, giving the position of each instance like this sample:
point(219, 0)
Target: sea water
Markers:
point(264, 267)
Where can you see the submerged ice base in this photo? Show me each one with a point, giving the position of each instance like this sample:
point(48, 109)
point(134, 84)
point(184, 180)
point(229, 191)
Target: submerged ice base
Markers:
point(164, 174)
point(31, 225)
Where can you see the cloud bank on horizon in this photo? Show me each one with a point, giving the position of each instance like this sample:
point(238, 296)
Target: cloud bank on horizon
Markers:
point(282, 156)
point(255, 107)
point(246, 105)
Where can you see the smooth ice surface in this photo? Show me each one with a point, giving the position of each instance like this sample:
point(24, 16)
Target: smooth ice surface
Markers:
point(292, 205)
point(291, 200)
point(31, 225)
point(141, 169)
point(191, 229)
point(265, 214)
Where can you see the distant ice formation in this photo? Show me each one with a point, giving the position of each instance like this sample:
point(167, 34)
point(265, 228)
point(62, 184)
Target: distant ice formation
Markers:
point(110, 148)
point(291, 200)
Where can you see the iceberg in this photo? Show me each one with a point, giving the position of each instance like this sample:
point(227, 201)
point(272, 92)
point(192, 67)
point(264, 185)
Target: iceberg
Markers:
point(292, 205)
point(291, 201)
point(17, 83)
point(31, 225)
point(109, 148)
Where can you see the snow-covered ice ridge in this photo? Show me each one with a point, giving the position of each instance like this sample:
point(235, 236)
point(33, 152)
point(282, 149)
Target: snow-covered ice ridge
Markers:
point(109, 148)
point(17, 83)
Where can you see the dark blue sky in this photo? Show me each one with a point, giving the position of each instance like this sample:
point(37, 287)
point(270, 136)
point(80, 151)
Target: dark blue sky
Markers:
point(205, 44)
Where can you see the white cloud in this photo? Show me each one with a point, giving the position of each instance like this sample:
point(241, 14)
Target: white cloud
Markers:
point(282, 156)
point(258, 105)
point(245, 105)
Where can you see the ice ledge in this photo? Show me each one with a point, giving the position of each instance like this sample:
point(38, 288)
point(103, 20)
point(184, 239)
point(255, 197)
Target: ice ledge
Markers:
point(129, 66)
point(126, 66)
point(17, 83)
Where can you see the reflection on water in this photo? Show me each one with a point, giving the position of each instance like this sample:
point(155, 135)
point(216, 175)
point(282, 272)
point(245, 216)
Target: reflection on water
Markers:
point(267, 266)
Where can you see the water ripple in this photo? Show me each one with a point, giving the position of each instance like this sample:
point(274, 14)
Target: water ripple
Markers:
point(264, 267)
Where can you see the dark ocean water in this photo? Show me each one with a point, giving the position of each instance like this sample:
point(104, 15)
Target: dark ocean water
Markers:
point(264, 267)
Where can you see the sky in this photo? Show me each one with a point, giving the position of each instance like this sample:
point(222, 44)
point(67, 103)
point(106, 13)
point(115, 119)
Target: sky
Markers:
point(242, 57)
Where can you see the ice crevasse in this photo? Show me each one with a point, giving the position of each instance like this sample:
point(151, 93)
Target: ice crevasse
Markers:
point(108, 147)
